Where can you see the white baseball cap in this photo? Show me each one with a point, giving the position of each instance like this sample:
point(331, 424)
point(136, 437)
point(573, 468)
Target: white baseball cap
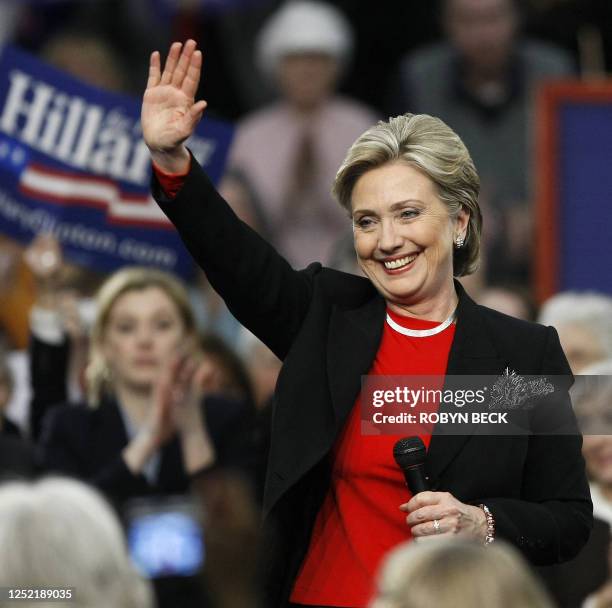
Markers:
point(303, 26)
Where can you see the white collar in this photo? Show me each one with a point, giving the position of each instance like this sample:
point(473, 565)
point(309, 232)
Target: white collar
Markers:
point(421, 333)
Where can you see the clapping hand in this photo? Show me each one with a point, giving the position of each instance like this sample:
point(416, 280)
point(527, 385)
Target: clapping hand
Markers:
point(44, 258)
point(177, 409)
point(169, 110)
point(176, 400)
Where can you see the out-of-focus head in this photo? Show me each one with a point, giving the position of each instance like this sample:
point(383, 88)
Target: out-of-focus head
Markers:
point(411, 188)
point(60, 533)
point(143, 318)
point(448, 574)
point(592, 400)
point(482, 32)
point(6, 381)
point(228, 373)
point(237, 190)
point(303, 47)
point(88, 57)
point(584, 323)
point(506, 300)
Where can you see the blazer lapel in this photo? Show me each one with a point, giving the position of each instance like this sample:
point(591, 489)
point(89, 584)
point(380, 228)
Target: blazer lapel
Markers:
point(472, 353)
point(354, 338)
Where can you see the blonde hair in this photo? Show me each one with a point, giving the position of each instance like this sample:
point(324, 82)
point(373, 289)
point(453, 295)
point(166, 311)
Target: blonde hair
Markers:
point(457, 574)
point(431, 146)
point(98, 377)
point(61, 533)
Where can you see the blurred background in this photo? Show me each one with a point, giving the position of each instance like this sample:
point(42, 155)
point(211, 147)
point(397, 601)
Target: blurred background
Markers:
point(301, 85)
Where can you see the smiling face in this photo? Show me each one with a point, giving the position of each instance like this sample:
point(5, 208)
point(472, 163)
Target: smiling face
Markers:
point(404, 235)
point(143, 333)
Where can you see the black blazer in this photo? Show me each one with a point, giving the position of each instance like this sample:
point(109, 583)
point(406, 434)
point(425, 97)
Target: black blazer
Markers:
point(326, 326)
point(86, 443)
point(17, 458)
point(82, 442)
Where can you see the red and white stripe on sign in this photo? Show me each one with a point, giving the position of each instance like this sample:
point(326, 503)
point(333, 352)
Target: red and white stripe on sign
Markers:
point(74, 189)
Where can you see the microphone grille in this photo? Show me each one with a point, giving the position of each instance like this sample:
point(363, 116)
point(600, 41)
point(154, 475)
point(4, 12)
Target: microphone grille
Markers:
point(409, 452)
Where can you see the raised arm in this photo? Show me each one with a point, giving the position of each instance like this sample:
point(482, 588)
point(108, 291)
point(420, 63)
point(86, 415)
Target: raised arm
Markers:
point(258, 285)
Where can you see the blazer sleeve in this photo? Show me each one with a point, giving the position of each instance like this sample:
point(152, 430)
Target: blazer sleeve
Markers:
point(258, 285)
point(63, 450)
point(48, 374)
point(553, 518)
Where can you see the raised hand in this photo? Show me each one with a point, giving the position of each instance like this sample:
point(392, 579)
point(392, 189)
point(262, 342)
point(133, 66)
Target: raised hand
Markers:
point(44, 258)
point(169, 110)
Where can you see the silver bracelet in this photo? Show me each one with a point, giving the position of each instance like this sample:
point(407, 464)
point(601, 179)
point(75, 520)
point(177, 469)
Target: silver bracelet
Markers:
point(490, 525)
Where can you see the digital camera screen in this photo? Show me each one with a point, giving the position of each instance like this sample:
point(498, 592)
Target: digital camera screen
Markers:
point(166, 543)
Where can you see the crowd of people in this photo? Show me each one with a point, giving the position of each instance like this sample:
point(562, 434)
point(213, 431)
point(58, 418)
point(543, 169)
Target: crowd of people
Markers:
point(135, 392)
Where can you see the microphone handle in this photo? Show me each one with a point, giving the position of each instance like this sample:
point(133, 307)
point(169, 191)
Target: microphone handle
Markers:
point(415, 479)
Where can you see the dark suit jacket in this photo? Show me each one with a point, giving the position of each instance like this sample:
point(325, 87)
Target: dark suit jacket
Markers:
point(17, 459)
point(326, 326)
point(87, 443)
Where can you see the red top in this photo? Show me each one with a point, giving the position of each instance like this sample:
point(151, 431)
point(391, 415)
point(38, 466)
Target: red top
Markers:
point(360, 519)
point(171, 183)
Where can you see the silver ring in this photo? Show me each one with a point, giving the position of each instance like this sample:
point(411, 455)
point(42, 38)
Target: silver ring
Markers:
point(436, 525)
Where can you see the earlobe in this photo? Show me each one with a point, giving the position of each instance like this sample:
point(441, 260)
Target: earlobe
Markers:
point(462, 223)
point(463, 218)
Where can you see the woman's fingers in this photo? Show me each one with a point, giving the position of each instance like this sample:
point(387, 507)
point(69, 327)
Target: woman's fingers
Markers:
point(183, 63)
point(171, 62)
point(449, 525)
point(196, 111)
point(428, 513)
point(186, 371)
point(423, 499)
point(182, 69)
point(181, 377)
point(191, 79)
point(154, 70)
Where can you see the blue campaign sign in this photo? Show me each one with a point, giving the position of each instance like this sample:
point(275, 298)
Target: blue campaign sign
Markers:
point(73, 162)
point(573, 244)
point(585, 137)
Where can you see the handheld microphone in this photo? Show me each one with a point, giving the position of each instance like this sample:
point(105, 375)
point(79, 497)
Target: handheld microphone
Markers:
point(410, 454)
